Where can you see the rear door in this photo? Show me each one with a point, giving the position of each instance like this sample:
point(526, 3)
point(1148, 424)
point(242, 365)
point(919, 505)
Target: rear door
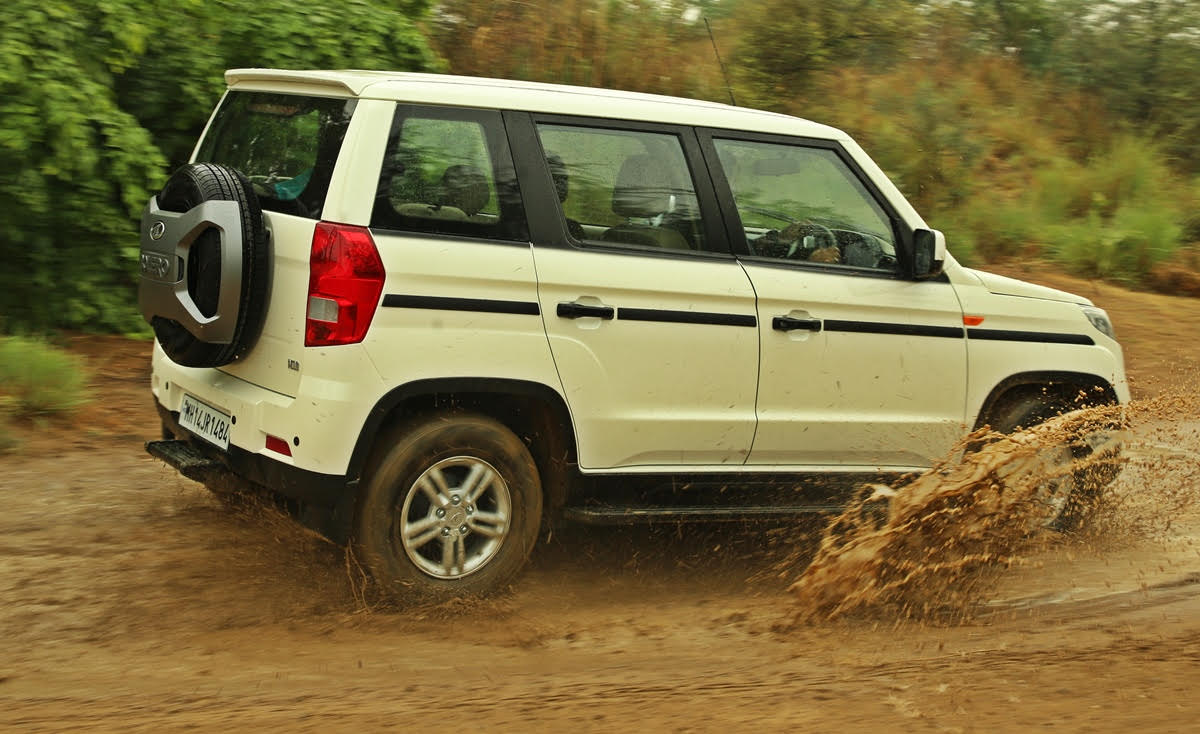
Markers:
point(650, 319)
point(460, 299)
point(861, 366)
point(287, 145)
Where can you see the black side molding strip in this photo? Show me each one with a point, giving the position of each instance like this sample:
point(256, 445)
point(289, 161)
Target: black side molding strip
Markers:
point(439, 303)
point(1043, 337)
point(872, 327)
point(685, 317)
point(954, 332)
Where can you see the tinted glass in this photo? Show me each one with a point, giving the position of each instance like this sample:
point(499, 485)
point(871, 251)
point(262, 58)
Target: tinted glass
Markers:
point(449, 171)
point(623, 187)
point(285, 144)
point(806, 204)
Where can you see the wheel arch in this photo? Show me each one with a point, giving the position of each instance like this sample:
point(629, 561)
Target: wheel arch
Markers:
point(1071, 389)
point(535, 412)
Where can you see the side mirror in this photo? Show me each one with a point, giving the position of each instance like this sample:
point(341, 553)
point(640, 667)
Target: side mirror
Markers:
point(929, 253)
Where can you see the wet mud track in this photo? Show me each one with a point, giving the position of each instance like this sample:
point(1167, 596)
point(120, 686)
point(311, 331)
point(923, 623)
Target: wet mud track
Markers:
point(132, 599)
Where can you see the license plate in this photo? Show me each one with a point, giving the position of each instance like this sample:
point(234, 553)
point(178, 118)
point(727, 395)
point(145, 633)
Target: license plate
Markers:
point(206, 422)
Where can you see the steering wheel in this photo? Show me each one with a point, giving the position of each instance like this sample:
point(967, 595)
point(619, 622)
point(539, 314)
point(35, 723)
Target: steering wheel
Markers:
point(796, 234)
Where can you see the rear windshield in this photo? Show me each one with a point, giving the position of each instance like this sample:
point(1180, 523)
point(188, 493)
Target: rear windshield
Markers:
point(285, 144)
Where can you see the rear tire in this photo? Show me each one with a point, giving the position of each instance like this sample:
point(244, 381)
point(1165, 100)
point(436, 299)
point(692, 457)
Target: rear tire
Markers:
point(450, 509)
point(188, 187)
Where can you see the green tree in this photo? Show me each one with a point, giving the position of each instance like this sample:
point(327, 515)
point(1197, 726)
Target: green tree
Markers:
point(639, 45)
point(1143, 58)
point(98, 100)
point(788, 42)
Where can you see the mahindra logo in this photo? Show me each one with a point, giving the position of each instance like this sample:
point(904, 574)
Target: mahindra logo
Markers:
point(157, 230)
point(155, 265)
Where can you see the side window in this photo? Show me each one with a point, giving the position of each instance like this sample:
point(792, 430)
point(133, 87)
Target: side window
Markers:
point(623, 187)
point(805, 204)
point(449, 171)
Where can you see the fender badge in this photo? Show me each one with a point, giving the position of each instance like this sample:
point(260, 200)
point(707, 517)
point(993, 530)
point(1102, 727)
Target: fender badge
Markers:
point(157, 230)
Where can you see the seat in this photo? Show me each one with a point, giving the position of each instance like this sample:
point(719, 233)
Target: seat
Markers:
point(643, 190)
point(466, 188)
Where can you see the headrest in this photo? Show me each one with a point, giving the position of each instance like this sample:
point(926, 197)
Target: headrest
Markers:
point(465, 187)
point(643, 188)
point(558, 171)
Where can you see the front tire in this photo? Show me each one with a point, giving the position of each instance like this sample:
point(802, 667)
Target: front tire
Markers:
point(451, 508)
point(1071, 499)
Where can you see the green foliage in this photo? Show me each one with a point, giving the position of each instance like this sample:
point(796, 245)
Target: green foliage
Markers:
point(788, 42)
point(101, 100)
point(76, 167)
point(658, 46)
point(1142, 57)
point(1114, 217)
point(38, 379)
point(1009, 166)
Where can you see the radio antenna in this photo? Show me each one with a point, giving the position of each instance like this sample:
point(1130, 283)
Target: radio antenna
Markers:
point(724, 72)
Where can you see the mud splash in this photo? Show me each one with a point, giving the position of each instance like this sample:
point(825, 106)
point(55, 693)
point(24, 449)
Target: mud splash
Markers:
point(932, 547)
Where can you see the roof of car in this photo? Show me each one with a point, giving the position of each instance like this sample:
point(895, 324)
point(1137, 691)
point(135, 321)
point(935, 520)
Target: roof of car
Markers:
point(530, 96)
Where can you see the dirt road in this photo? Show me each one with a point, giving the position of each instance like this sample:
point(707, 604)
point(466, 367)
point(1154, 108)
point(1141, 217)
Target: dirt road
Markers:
point(131, 599)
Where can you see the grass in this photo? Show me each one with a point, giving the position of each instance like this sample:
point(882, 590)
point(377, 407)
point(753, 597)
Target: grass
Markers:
point(37, 379)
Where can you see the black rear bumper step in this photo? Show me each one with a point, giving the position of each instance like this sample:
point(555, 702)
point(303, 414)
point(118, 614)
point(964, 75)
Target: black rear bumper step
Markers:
point(187, 460)
point(607, 515)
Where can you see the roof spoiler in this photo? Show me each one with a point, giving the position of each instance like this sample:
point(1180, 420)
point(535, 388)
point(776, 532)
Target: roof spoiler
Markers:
point(340, 83)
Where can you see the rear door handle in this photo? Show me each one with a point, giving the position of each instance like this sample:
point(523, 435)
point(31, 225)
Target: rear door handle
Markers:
point(787, 323)
point(576, 310)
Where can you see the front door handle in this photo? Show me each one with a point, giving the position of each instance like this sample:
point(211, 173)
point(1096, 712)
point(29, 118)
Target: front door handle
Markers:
point(576, 310)
point(787, 323)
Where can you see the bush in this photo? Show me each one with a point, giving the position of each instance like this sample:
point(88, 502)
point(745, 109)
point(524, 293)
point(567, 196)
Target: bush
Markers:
point(101, 100)
point(37, 379)
point(1008, 166)
point(1116, 216)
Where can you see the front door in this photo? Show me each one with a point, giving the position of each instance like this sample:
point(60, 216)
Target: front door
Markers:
point(861, 367)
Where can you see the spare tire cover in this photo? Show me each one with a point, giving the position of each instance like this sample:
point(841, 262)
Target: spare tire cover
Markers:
point(205, 266)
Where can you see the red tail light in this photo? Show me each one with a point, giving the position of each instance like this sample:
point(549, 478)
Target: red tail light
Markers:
point(345, 279)
point(278, 445)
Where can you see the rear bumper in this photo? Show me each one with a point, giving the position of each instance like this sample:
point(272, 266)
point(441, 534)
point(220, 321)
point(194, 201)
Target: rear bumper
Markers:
point(196, 459)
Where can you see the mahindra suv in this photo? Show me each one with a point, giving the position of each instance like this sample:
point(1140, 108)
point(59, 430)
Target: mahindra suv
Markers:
point(440, 312)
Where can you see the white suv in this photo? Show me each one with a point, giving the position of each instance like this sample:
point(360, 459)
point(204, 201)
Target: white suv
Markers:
point(439, 311)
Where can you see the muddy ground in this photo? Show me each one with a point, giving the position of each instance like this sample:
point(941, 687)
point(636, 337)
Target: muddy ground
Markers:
point(132, 599)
